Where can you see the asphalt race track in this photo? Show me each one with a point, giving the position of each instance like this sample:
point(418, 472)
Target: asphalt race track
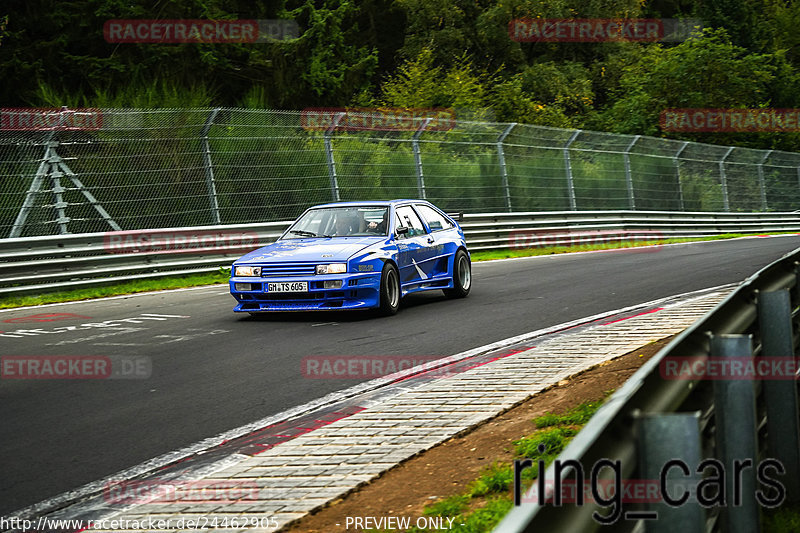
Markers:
point(212, 371)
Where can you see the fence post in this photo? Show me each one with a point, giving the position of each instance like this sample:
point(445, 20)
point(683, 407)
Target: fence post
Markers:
point(209, 169)
point(676, 159)
point(724, 180)
point(664, 438)
point(58, 191)
point(761, 186)
point(735, 416)
point(36, 185)
point(780, 395)
point(573, 205)
point(798, 177)
point(329, 156)
point(58, 195)
point(418, 158)
point(628, 178)
point(53, 165)
point(501, 156)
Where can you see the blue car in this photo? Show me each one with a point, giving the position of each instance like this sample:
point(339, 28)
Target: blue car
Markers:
point(355, 255)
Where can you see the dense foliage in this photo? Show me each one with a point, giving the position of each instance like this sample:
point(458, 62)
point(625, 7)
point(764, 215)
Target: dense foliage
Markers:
point(415, 53)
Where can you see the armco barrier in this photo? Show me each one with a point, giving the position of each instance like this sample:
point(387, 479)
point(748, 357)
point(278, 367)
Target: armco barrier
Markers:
point(745, 427)
point(37, 264)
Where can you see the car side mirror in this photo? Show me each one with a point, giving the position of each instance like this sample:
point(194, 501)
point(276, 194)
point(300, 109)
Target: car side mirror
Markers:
point(401, 230)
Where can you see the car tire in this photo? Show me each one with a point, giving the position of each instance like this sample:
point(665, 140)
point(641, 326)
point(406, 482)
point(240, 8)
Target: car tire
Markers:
point(390, 290)
point(462, 276)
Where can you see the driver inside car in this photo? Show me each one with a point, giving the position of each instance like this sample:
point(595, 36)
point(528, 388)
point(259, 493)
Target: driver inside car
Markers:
point(343, 226)
point(379, 228)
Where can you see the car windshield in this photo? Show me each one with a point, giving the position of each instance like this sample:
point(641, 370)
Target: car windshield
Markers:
point(333, 222)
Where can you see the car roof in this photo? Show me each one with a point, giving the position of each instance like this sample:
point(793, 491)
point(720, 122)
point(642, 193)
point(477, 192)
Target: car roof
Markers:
point(367, 203)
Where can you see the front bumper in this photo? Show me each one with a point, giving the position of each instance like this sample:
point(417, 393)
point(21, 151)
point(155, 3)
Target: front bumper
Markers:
point(358, 291)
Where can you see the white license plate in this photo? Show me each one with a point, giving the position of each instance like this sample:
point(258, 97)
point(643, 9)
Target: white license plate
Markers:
point(288, 286)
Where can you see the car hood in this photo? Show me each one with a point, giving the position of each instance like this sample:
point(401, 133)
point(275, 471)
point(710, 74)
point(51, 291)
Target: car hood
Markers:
point(316, 250)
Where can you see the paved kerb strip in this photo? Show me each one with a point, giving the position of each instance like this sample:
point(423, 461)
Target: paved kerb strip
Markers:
point(306, 473)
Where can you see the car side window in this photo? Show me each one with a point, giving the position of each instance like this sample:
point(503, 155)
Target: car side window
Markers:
point(435, 219)
point(397, 224)
point(408, 218)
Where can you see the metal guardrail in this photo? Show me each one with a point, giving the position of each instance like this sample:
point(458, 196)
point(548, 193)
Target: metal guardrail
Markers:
point(38, 264)
point(494, 231)
point(652, 420)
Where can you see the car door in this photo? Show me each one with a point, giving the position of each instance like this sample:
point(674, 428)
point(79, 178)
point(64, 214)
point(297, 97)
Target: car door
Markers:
point(441, 242)
point(412, 247)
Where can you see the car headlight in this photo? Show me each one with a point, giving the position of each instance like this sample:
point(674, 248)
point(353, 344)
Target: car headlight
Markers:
point(333, 268)
point(247, 271)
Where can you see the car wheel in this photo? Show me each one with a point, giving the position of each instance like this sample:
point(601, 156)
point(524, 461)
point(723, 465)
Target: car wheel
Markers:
point(462, 276)
point(390, 290)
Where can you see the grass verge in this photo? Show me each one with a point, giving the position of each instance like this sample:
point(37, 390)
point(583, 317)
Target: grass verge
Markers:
point(488, 255)
point(490, 497)
point(195, 280)
point(117, 289)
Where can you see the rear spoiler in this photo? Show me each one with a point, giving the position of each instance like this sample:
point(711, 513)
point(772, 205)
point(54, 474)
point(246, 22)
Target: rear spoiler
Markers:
point(458, 217)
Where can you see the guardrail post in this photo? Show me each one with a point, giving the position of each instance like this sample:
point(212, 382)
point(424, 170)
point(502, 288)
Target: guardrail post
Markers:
point(329, 156)
point(780, 395)
point(761, 186)
point(573, 204)
point(626, 156)
point(209, 169)
point(735, 416)
point(664, 438)
point(501, 156)
point(724, 180)
point(677, 162)
point(418, 158)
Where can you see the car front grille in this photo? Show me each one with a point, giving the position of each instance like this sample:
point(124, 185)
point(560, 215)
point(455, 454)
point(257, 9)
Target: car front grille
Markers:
point(291, 296)
point(288, 269)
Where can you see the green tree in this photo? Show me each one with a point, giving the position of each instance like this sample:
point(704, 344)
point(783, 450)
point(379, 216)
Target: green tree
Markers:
point(3, 24)
point(785, 19)
point(420, 83)
point(58, 48)
point(743, 20)
point(707, 71)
